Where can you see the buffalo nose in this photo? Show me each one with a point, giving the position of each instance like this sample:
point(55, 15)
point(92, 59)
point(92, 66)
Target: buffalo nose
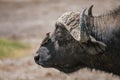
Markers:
point(36, 57)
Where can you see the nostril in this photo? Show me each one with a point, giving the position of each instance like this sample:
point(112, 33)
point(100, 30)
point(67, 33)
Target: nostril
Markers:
point(36, 58)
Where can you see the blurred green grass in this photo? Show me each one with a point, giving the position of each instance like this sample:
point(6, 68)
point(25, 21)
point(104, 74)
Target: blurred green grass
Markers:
point(12, 49)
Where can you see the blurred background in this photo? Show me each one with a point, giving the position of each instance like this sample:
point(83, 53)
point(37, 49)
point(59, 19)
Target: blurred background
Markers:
point(23, 24)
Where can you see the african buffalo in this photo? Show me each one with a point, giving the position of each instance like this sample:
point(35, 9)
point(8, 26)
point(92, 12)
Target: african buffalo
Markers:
point(81, 40)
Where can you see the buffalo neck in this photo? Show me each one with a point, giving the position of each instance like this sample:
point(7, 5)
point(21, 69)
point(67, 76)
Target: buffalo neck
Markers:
point(104, 27)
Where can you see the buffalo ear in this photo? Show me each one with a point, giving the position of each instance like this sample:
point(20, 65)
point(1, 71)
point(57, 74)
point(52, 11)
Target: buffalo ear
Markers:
point(96, 47)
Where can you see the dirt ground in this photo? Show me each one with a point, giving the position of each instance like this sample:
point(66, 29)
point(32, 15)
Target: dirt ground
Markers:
point(29, 21)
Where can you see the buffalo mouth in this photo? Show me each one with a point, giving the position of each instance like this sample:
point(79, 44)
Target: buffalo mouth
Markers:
point(42, 63)
point(68, 69)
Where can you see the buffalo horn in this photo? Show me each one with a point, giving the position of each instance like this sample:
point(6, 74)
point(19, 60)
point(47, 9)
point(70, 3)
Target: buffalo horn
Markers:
point(90, 11)
point(83, 28)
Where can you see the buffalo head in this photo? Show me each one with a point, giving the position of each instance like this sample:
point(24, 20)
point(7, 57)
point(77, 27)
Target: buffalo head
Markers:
point(68, 47)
